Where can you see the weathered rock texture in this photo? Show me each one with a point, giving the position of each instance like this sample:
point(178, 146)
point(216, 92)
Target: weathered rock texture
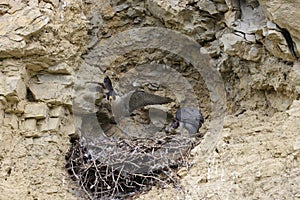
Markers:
point(256, 158)
point(41, 44)
point(50, 70)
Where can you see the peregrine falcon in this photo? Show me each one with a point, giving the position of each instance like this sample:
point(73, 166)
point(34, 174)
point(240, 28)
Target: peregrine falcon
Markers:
point(188, 118)
point(123, 106)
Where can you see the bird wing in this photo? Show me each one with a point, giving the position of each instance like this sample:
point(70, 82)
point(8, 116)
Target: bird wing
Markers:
point(139, 99)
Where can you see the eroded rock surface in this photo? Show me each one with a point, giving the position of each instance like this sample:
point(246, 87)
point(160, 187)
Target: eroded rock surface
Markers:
point(257, 157)
point(41, 43)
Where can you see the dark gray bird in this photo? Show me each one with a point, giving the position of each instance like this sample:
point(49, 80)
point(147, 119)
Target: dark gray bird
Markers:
point(188, 118)
point(123, 106)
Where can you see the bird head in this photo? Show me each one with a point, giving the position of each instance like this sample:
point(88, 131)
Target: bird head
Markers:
point(175, 123)
point(111, 96)
point(111, 93)
point(107, 83)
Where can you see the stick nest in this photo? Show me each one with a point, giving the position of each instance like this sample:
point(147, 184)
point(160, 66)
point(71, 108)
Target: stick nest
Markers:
point(117, 169)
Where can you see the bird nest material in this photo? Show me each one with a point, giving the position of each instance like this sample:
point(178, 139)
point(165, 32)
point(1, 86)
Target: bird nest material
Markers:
point(117, 169)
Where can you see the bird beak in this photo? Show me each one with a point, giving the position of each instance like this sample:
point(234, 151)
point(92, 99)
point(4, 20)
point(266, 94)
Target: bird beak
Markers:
point(110, 98)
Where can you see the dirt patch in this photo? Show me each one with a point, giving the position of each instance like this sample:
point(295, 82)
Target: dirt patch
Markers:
point(32, 166)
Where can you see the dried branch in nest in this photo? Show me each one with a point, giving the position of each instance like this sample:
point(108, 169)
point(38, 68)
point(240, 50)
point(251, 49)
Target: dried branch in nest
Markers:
point(113, 169)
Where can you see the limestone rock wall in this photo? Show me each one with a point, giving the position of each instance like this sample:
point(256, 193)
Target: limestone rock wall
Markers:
point(41, 44)
point(50, 68)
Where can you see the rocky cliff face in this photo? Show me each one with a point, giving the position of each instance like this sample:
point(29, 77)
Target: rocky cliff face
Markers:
point(55, 54)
